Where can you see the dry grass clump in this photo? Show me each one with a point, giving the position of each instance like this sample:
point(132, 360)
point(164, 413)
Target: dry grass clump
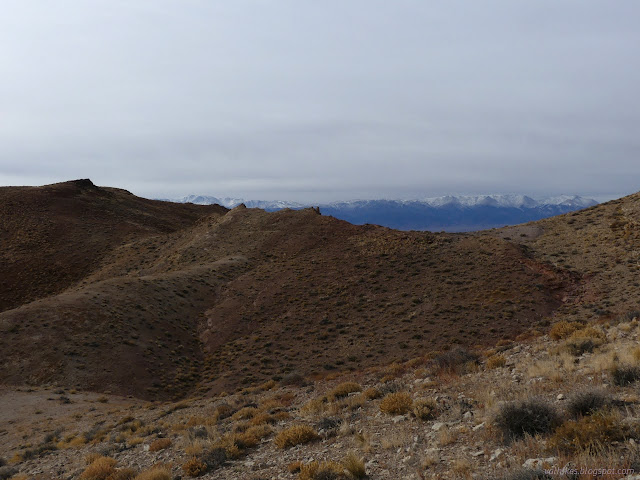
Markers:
point(159, 444)
point(425, 408)
point(588, 402)
point(397, 403)
point(458, 360)
point(496, 361)
point(592, 433)
point(343, 390)
point(157, 472)
point(99, 469)
point(372, 393)
point(295, 435)
point(623, 375)
point(563, 329)
point(123, 474)
point(354, 465)
point(326, 470)
point(584, 340)
point(244, 413)
point(530, 417)
point(194, 467)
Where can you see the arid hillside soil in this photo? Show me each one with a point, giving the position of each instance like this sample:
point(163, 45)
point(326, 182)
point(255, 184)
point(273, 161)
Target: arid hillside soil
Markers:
point(154, 300)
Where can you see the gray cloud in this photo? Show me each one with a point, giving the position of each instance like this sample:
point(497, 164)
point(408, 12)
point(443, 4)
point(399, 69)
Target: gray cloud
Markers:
point(322, 100)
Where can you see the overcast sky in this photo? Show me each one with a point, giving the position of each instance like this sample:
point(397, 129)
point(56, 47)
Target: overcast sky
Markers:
point(322, 100)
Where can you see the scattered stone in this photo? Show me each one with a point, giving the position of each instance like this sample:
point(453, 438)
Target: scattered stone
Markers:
point(437, 426)
point(478, 453)
point(533, 463)
point(399, 418)
point(560, 396)
point(467, 415)
point(478, 427)
point(496, 454)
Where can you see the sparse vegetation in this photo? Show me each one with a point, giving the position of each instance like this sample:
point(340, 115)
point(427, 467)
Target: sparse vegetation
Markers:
point(397, 403)
point(295, 435)
point(623, 375)
point(592, 433)
point(529, 417)
point(587, 402)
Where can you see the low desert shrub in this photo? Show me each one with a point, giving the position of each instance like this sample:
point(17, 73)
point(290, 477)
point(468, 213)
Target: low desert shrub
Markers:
point(456, 360)
point(587, 402)
point(397, 403)
point(157, 472)
point(425, 408)
point(530, 417)
point(496, 361)
point(159, 444)
point(214, 457)
point(354, 465)
point(593, 433)
point(327, 470)
point(563, 329)
point(528, 474)
point(7, 472)
point(100, 469)
point(625, 374)
point(295, 435)
point(343, 390)
point(584, 340)
point(123, 474)
point(372, 393)
point(194, 467)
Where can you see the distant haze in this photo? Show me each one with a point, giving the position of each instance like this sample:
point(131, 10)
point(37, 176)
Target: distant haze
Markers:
point(322, 101)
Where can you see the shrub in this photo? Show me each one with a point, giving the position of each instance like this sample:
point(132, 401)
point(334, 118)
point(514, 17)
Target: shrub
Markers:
point(584, 340)
point(123, 474)
point(397, 403)
point(159, 444)
point(354, 465)
point(321, 471)
point(7, 472)
point(157, 472)
point(372, 393)
point(344, 389)
point(563, 329)
point(625, 374)
point(496, 361)
point(194, 467)
point(527, 474)
point(593, 433)
point(529, 417)
point(244, 413)
point(425, 408)
point(99, 469)
point(587, 402)
point(455, 360)
point(214, 458)
point(295, 435)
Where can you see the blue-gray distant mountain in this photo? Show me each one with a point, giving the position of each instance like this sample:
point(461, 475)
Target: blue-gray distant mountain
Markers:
point(450, 213)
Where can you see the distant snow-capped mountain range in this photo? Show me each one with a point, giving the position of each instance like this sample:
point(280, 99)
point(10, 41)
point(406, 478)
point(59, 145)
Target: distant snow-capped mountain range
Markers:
point(450, 213)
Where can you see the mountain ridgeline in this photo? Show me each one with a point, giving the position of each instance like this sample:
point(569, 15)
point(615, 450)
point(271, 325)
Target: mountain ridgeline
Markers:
point(449, 214)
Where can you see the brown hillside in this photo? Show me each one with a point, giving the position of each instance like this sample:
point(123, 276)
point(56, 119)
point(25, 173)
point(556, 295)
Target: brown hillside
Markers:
point(54, 235)
point(250, 296)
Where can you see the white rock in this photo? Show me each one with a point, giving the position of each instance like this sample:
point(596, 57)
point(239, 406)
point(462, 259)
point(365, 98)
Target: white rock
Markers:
point(477, 454)
point(478, 427)
point(399, 418)
point(437, 426)
point(496, 454)
point(533, 463)
point(467, 415)
point(560, 396)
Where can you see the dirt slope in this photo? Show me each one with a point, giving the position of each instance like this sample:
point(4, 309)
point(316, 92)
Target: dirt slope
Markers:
point(166, 308)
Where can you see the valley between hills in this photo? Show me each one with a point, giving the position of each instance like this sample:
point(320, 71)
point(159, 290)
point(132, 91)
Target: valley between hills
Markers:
point(154, 340)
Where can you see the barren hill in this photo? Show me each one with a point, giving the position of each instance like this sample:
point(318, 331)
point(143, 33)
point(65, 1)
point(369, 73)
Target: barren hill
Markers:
point(152, 299)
